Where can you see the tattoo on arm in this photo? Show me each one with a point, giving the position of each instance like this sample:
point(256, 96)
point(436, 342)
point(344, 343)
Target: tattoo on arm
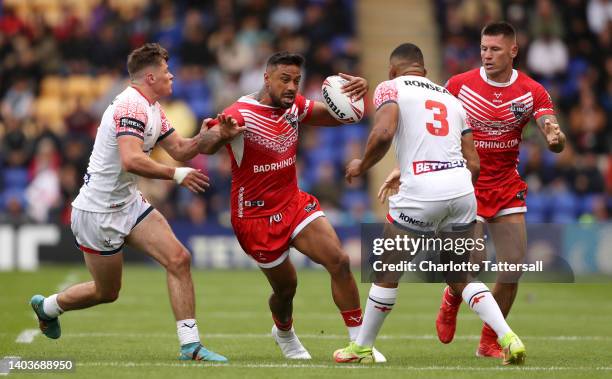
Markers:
point(210, 141)
point(555, 138)
point(542, 120)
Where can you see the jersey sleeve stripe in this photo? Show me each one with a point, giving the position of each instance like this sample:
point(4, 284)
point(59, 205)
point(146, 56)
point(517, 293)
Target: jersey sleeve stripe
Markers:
point(130, 134)
point(543, 112)
point(306, 115)
point(466, 131)
point(386, 102)
point(165, 135)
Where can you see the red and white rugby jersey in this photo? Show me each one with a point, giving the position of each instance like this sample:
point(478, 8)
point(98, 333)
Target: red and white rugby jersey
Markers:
point(264, 178)
point(427, 140)
point(107, 187)
point(497, 113)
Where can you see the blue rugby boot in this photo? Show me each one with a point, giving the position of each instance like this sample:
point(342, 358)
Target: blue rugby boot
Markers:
point(50, 327)
point(196, 352)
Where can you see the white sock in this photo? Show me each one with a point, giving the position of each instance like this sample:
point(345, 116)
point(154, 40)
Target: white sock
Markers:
point(187, 331)
point(380, 303)
point(480, 299)
point(353, 332)
point(50, 306)
point(287, 334)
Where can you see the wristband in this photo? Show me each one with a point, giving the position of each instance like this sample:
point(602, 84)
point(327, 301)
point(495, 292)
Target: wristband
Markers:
point(180, 173)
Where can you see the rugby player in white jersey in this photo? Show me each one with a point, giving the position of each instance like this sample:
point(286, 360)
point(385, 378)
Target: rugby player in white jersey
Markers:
point(438, 165)
point(110, 211)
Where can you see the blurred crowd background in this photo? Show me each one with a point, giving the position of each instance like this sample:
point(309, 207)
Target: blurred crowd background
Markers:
point(63, 61)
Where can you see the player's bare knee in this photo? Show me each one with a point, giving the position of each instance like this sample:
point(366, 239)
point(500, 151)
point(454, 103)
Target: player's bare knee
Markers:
point(179, 262)
point(286, 293)
point(108, 296)
point(340, 264)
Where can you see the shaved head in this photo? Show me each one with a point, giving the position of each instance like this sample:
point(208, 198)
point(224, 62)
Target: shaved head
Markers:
point(406, 59)
point(408, 52)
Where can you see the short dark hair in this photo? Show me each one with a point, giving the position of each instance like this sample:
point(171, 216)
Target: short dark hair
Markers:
point(409, 52)
point(499, 28)
point(146, 55)
point(285, 58)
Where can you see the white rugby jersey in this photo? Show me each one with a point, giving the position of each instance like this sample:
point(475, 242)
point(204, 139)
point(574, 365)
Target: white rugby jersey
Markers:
point(107, 187)
point(427, 141)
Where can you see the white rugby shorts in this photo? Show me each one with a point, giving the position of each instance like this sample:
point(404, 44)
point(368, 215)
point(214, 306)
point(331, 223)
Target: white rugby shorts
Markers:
point(434, 216)
point(104, 233)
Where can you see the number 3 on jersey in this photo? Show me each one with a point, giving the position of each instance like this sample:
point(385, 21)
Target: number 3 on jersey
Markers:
point(439, 114)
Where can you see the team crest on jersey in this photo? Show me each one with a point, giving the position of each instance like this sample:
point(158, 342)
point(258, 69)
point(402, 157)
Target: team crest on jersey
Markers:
point(291, 120)
point(518, 109)
point(310, 207)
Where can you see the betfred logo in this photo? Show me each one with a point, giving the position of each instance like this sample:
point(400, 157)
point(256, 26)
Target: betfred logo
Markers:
point(423, 167)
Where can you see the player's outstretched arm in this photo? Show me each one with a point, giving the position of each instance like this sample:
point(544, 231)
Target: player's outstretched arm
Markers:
point(356, 87)
point(222, 133)
point(208, 141)
point(471, 155)
point(549, 127)
point(379, 141)
point(135, 161)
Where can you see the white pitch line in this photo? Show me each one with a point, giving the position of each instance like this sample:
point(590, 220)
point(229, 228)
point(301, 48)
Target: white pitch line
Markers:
point(336, 366)
point(27, 336)
point(9, 357)
point(327, 336)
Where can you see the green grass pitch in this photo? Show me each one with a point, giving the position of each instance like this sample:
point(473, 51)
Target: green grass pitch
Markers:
point(567, 329)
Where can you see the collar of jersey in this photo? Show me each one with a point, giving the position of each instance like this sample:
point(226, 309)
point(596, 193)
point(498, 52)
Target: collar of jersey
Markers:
point(513, 78)
point(142, 94)
point(250, 100)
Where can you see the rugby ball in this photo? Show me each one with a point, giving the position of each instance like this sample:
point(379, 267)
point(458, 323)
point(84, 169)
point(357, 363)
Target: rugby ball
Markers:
point(339, 105)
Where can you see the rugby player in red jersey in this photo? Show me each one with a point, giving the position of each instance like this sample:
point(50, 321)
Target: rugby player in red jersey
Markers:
point(499, 102)
point(269, 212)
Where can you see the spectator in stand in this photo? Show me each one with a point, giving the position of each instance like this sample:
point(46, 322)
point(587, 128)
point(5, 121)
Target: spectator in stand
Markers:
point(547, 57)
point(589, 179)
point(43, 192)
point(17, 103)
point(587, 122)
point(599, 15)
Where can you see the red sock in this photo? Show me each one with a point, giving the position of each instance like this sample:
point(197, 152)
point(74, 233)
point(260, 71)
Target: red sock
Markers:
point(283, 326)
point(352, 318)
point(488, 335)
point(453, 300)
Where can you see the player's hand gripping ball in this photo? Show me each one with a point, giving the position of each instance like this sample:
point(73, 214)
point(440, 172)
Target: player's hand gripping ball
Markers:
point(339, 104)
